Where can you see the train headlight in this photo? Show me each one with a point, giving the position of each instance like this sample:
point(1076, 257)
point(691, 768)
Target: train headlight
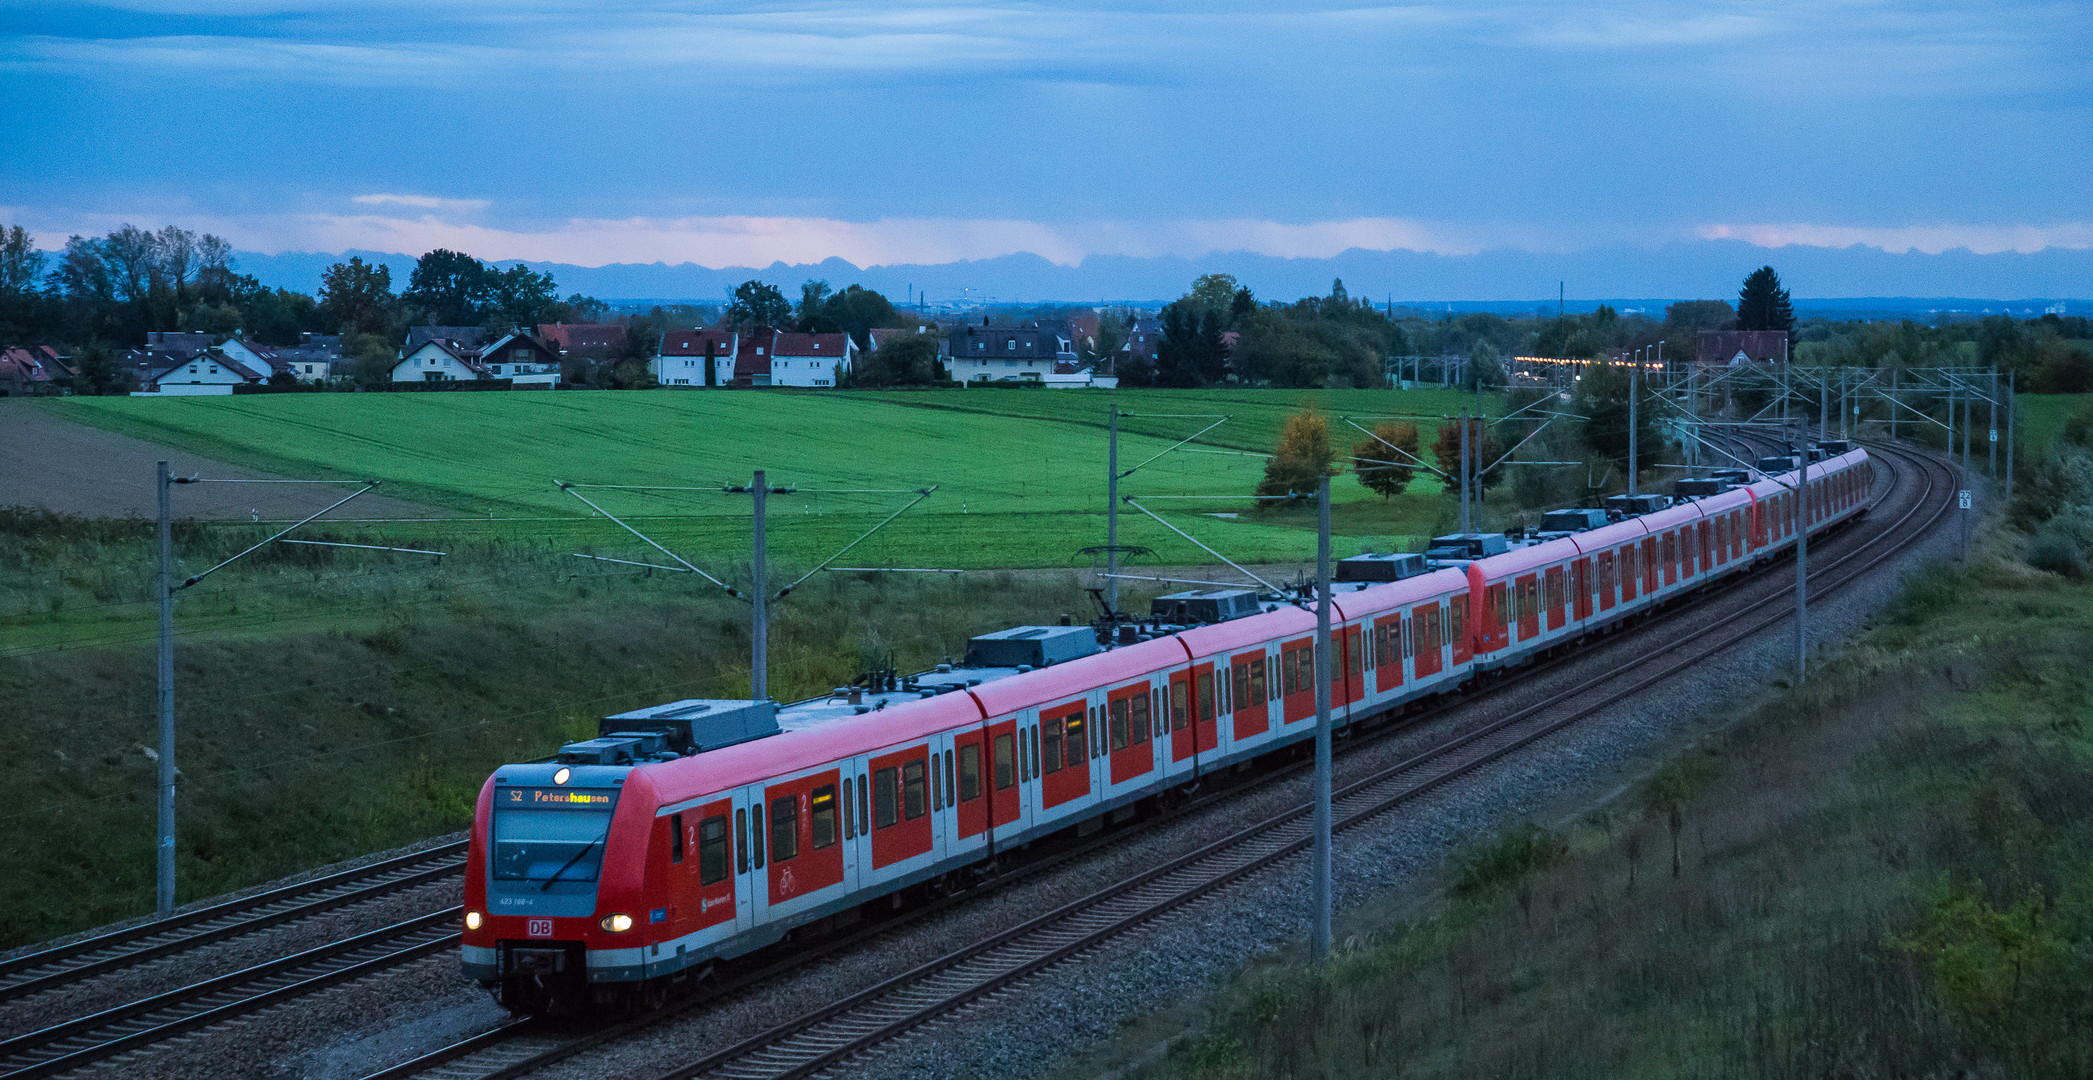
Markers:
point(617, 922)
point(562, 776)
point(472, 920)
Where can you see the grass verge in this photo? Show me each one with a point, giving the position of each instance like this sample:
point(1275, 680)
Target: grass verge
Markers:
point(1888, 872)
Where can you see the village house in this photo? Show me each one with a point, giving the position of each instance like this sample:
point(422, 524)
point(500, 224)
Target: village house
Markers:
point(810, 359)
point(694, 357)
point(438, 360)
point(211, 371)
point(987, 353)
point(316, 359)
point(593, 343)
point(28, 371)
point(522, 359)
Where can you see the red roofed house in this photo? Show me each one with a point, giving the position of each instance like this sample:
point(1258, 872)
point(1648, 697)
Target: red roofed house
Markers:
point(810, 359)
point(24, 372)
point(692, 357)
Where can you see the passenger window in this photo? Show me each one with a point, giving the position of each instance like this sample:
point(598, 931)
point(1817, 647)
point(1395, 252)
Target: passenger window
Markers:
point(756, 833)
point(1035, 752)
point(1177, 707)
point(1024, 763)
point(850, 830)
point(1005, 761)
point(822, 817)
point(970, 772)
point(937, 795)
point(712, 850)
point(951, 786)
point(1050, 746)
point(741, 842)
point(675, 838)
point(1075, 740)
point(886, 797)
point(1140, 719)
point(1257, 681)
point(913, 803)
point(864, 805)
point(1116, 712)
point(784, 828)
point(1288, 666)
point(1206, 696)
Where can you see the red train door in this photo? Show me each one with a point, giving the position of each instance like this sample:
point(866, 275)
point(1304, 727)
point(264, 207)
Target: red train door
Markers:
point(1529, 606)
point(1625, 569)
point(1297, 676)
point(1127, 723)
point(1492, 631)
point(1064, 759)
point(971, 748)
point(1178, 705)
point(1457, 628)
point(1606, 585)
point(1348, 683)
point(1388, 653)
point(1004, 793)
point(1425, 639)
point(1582, 585)
point(1253, 711)
point(1206, 708)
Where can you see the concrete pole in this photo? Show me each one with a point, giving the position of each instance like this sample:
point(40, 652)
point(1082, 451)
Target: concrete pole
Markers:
point(1893, 402)
point(1632, 460)
point(1464, 470)
point(1823, 407)
point(759, 598)
point(1802, 575)
point(165, 854)
point(1991, 424)
point(2012, 401)
point(1319, 933)
point(1112, 516)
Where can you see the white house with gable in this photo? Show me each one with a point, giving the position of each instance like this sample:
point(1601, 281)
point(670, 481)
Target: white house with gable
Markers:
point(810, 359)
point(438, 361)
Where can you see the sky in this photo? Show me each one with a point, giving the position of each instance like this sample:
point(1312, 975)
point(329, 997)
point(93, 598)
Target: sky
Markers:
point(925, 133)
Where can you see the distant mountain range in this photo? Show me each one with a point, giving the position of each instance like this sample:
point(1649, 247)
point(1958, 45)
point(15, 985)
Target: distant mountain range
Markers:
point(1506, 281)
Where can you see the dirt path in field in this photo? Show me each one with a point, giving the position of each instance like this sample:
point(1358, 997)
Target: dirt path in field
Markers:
point(71, 468)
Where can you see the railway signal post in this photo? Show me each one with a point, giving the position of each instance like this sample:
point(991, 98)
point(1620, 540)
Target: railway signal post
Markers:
point(1319, 933)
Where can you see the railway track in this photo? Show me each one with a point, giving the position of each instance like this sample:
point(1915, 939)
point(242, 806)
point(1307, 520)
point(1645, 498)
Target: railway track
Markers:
point(71, 963)
point(835, 1033)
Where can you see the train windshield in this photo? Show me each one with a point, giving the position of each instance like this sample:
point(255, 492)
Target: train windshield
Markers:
point(549, 845)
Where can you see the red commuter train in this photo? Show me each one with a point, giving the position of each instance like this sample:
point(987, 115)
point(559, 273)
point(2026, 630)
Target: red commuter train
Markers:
point(702, 830)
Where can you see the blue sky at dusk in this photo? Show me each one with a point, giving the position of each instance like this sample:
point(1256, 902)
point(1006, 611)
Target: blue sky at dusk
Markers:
point(911, 132)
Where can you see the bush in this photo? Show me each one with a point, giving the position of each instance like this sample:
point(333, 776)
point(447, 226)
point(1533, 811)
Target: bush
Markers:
point(2062, 544)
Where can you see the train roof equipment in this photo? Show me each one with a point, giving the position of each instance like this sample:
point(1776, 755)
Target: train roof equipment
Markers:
point(1030, 646)
point(1455, 549)
point(1635, 505)
point(1373, 569)
point(693, 724)
point(1836, 447)
point(1556, 524)
point(1734, 476)
point(1701, 487)
point(1195, 607)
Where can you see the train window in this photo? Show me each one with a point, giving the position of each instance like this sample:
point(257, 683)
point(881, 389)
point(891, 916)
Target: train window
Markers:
point(886, 797)
point(821, 817)
point(1025, 759)
point(1035, 752)
point(1456, 614)
point(1353, 647)
point(741, 843)
point(913, 803)
point(712, 850)
point(1050, 746)
point(1138, 719)
point(1239, 680)
point(850, 825)
point(970, 772)
point(1271, 679)
point(951, 786)
point(1205, 693)
point(937, 796)
point(756, 834)
point(1177, 707)
point(675, 838)
point(784, 828)
point(1116, 720)
point(1289, 670)
point(864, 805)
point(1005, 761)
point(1075, 738)
point(1257, 681)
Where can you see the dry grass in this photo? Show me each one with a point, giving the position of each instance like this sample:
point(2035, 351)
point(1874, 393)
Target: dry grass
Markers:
point(1889, 873)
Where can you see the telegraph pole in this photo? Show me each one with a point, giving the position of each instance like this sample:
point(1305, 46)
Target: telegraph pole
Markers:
point(1991, 423)
point(2012, 403)
point(165, 852)
point(1319, 933)
point(759, 599)
point(1112, 517)
point(1893, 402)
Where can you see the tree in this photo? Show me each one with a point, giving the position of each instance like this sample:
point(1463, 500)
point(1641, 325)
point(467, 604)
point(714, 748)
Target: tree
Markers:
point(1304, 455)
point(1602, 396)
point(1384, 463)
point(905, 360)
point(1763, 305)
point(1190, 353)
point(450, 287)
point(356, 296)
point(1214, 293)
point(857, 310)
point(371, 359)
point(755, 303)
point(21, 265)
point(1483, 451)
point(812, 319)
point(99, 373)
point(518, 298)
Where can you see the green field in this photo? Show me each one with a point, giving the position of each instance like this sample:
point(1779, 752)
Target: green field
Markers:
point(1020, 476)
point(2042, 418)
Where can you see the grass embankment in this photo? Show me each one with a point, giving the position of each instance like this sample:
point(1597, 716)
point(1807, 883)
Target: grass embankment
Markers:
point(2041, 420)
point(1021, 474)
point(331, 703)
point(1887, 873)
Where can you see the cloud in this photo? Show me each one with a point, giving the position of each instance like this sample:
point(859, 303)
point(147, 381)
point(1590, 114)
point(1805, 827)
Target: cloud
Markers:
point(421, 202)
point(1929, 239)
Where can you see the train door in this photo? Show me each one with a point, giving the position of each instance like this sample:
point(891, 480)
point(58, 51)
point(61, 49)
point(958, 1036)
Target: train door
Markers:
point(1459, 644)
point(1424, 623)
point(1297, 680)
point(1668, 548)
point(970, 818)
point(1582, 586)
point(701, 895)
point(1127, 724)
point(1625, 570)
point(1349, 684)
point(1006, 802)
point(1207, 694)
point(1606, 588)
point(1704, 548)
point(752, 865)
point(1652, 566)
point(1183, 736)
point(1388, 655)
point(1064, 759)
point(1529, 607)
point(1252, 714)
point(1492, 630)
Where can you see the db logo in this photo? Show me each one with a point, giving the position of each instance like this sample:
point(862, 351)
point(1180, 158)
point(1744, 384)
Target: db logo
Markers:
point(540, 928)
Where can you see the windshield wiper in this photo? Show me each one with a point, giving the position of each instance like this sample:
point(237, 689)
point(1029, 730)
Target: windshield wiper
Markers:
point(570, 862)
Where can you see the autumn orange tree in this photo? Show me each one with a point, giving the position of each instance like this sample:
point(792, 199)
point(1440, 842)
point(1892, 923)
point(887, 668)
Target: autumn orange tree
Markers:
point(1483, 449)
point(1303, 456)
point(1377, 463)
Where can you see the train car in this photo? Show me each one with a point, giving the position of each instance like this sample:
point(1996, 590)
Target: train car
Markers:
point(702, 830)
